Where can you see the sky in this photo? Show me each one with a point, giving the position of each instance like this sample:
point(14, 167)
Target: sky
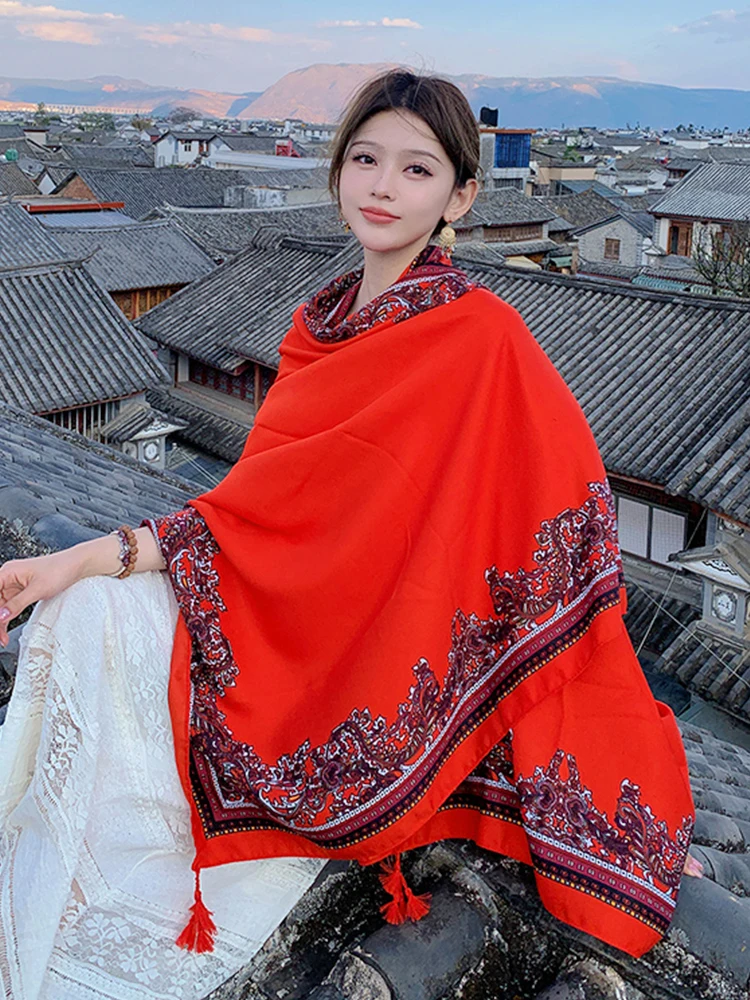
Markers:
point(240, 47)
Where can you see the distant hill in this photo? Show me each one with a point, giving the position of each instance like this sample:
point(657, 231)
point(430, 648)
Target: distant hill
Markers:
point(318, 92)
point(105, 92)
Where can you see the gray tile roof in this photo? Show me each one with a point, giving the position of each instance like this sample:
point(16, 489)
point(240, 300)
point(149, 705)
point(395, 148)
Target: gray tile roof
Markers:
point(23, 239)
point(64, 343)
point(242, 309)
point(582, 209)
point(505, 207)
point(287, 179)
point(14, 181)
point(642, 222)
point(115, 157)
point(146, 188)
point(717, 668)
point(225, 231)
point(135, 255)
point(714, 191)
point(207, 424)
point(49, 471)
point(134, 417)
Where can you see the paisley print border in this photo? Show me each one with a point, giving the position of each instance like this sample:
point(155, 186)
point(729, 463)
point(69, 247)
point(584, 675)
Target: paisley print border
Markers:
point(371, 771)
point(629, 861)
point(430, 281)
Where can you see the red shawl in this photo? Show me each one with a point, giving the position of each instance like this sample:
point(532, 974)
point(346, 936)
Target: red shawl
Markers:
point(401, 620)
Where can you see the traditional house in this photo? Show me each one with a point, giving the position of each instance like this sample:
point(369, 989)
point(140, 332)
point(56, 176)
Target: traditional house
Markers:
point(147, 188)
point(220, 336)
point(623, 238)
point(517, 224)
point(69, 353)
point(706, 202)
point(223, 232)
point(139, 263)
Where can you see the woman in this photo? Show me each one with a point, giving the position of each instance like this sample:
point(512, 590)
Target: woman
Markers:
point(400, 619)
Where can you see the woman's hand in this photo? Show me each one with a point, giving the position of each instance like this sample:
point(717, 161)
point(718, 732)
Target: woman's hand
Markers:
point(24, 581)
point(693, 866)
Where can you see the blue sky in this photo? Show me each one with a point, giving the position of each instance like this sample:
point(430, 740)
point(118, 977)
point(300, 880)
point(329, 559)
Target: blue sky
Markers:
point(237, 47)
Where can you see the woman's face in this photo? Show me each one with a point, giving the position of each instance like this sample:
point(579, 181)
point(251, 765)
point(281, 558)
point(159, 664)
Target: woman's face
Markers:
point(396, 182)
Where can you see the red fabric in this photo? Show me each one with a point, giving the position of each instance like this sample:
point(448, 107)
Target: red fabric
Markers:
point(402, 619)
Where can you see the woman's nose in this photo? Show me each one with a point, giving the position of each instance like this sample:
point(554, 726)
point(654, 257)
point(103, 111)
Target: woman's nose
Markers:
point(382, 185)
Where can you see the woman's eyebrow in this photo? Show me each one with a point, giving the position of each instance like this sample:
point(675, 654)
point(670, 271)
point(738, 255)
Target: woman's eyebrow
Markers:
point(415, 152)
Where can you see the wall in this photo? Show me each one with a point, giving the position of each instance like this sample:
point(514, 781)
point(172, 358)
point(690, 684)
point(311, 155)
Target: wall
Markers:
point(77, 188)
point(591, 243)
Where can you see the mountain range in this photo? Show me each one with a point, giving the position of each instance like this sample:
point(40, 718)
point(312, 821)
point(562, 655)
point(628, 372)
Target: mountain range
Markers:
point(318, 92)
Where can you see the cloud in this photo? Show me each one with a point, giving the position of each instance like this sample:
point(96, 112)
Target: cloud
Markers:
point(384, 22)
point(724, 25)
point(61, 31)
point(56, 24)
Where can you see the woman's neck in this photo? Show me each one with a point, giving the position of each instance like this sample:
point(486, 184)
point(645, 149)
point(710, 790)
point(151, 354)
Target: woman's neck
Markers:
point(382, 269)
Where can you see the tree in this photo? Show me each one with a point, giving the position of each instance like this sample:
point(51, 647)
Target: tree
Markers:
point(91, 121)
point(571, 153)
point(40, 115)
point(723, 258)
point(182, 114)
point(141, 123)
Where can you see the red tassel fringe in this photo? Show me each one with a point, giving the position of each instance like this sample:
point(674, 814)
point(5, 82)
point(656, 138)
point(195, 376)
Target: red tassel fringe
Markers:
point(404, 905)
point(199, 933)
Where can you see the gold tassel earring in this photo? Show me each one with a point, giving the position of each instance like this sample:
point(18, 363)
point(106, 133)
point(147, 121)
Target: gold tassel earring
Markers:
point(447, 238)
point(345, 224)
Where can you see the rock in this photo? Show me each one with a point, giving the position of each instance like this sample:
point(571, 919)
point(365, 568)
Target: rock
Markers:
point(424, 960)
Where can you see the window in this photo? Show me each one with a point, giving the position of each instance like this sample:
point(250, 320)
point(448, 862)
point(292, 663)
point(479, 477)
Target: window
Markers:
point(680, 239)
point(188, 147)
point(648, 531)
point(240, 386)
point(611, 249)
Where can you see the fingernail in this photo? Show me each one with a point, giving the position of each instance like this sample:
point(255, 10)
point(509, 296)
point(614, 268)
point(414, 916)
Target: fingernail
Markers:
point(4, 613)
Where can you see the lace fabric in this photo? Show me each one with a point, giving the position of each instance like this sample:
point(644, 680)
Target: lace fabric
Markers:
point(95, 843)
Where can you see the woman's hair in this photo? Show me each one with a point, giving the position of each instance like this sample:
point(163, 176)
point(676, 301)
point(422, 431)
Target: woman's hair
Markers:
point(439, 103)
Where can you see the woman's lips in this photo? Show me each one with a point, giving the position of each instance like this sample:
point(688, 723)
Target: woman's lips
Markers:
point(377, 217)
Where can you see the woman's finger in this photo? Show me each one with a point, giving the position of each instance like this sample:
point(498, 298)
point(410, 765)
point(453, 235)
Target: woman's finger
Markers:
point(693, 867)
point(12, 608)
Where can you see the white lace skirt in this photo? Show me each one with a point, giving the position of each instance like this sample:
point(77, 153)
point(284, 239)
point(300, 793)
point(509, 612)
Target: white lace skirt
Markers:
point(95, 845)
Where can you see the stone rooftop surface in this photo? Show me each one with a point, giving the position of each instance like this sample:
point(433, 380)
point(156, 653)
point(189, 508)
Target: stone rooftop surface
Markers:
point(63, 341)
point(488, 937)
point(59, 487)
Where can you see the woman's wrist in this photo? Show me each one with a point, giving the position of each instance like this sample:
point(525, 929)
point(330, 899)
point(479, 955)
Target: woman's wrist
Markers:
point(101, 556)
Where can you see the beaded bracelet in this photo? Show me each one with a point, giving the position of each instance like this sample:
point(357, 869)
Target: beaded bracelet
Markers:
point(128, 551)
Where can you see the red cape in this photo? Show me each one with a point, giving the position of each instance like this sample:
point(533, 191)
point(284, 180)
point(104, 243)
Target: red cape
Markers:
point(402, 621)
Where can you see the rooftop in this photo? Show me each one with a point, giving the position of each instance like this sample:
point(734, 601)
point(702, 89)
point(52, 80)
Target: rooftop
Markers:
point(713, 191)
point(63, 341)
point(147, 188)
point(225, 231)
point(134, 255)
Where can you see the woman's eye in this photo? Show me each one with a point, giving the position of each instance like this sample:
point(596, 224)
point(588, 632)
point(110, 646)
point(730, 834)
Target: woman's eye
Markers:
point(423, 171)
point(359, 157)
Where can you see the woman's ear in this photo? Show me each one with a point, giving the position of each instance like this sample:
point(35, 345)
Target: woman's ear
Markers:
point(461, 200)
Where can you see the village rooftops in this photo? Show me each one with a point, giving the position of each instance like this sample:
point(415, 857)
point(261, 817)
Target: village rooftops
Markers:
point(715, 191)
point(23, 240)
point(146, 188)
point(504, 207)
point(64, 342)
point(240, 311)
point(62, 487)
point(133, 255)
point(13, 181)
point(225, 231)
